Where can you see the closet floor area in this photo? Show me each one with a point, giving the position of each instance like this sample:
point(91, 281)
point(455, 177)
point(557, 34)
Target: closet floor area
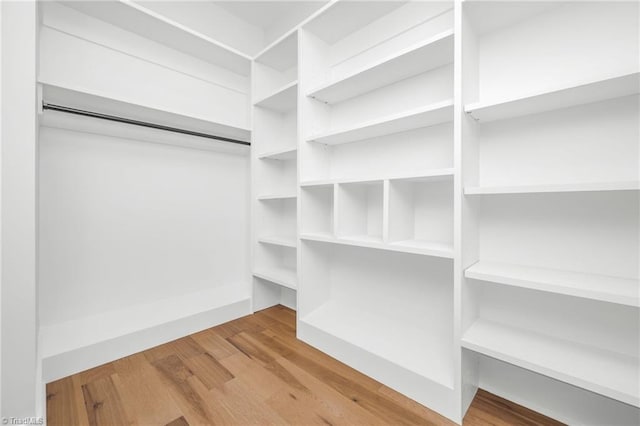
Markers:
point(249, 371)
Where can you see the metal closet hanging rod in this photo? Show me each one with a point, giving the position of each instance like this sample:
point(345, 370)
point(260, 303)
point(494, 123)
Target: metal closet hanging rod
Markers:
point(60, 108)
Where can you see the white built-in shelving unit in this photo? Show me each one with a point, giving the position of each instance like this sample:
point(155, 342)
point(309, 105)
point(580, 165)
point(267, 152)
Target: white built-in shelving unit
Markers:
point(377, 193)
point(275, 174)
point(550, 216)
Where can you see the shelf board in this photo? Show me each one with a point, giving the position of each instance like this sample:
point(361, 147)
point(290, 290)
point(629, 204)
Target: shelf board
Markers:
point(140, 20)
point(280, 154)
point(282, 99)
point(430, 115)
point(396, 341)
point(426, 175)
point(604, 372)
point(595, 91)
point(544, 188)
point(590, 286)
point(414, 60)
point(278, 275)
point(277, 197)
point(409, 246)
point(284, 241)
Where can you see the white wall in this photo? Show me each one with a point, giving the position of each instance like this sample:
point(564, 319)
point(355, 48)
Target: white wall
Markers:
point(124, 222)
point(18, 213)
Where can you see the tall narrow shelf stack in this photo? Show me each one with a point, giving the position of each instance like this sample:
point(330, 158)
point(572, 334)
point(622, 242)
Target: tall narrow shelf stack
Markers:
point(275, 174)
point(376, 193)
point(550, 144)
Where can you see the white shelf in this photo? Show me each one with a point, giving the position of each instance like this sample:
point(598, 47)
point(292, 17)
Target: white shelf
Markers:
point(410, 246)
point(284, 241)
point(396, 341)
point(607, 373)
point(87, 342)
point(426, 175)
point(277, 197)
point(590, 286)
point(280, 154)
point(278, 275)
point(282, 99)
point(595, 91)
point(425, 116)
point(543, 188)
point(138, 19)
point(413, 60)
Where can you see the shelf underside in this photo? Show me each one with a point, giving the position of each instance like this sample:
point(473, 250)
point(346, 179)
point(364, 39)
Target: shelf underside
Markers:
point(601, 90)
point(414, 60)
point(549, 188)
point(279, 275)
point(396, 341)
point(430, 115)
point(590, 286)
point(408, 246)
point(601, 371)
point(279, 240)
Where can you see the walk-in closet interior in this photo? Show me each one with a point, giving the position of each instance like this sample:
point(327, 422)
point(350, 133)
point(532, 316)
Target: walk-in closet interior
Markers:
point(446, 192)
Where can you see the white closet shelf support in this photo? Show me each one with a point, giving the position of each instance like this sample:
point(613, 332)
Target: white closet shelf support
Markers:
point(278, 240)
point(277, 197)
point(278, 275)
point(424, 248)
point(283, 154)
point(429, 115)
point(282, 99)
point(589, 92)
point(413, 60)
point(546, 188)
point(622, 291)
point(418, 176)
point(598, 370)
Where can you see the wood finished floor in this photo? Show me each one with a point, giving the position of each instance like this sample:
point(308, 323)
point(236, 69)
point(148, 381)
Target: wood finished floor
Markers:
point(251, 371)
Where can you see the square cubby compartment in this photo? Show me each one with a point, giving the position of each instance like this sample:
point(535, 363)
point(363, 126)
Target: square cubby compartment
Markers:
point(360, 211)
point(421, 212)
point(317, 210)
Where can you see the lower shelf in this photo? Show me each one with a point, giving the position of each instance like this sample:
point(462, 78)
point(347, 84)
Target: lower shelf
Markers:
point(395, 341)
point(607, 373)
point(409, 246)
point(279, 275)
point(73, 346)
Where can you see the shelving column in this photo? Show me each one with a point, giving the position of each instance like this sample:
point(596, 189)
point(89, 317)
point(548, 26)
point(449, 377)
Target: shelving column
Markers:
point(275, 175)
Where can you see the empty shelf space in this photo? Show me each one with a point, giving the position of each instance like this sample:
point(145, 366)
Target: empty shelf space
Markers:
point(607, 373)
point(395, 341)
point(542, 188)
point(283, 276)
point(426, 175)
point(147, 23)
point(282, 99)
point(589, 286)
point(279, 240)
point(624, 85)
point(413, 60)
point(429, 115)
point(283, 154)
point(277, 197)
point(410, 246)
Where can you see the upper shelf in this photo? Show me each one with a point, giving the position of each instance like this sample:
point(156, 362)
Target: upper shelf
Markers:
point(608, 373)
point(414, 60)
point(545, 188)
point(282, 99)
point(138, 19)
point(589, 286)
point(429, 115)
point(283, 154)
point(595, 91)
point(281, 56)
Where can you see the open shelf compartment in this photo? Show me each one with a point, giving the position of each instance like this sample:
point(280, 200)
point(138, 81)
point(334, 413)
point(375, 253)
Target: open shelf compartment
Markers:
point(317, 206)
point(276, 264)
point(360, 211)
